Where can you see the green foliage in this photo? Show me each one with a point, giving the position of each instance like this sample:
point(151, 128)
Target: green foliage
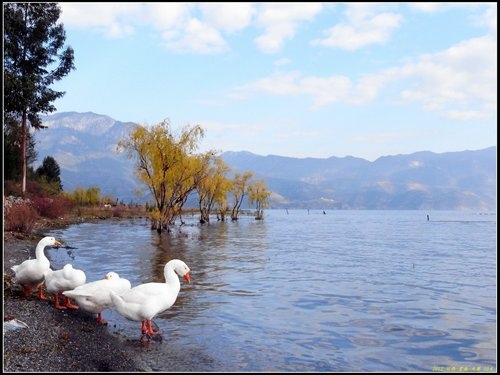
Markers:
point(50, 172)
point(12, 150)
point(89, 196)
point(34, 58)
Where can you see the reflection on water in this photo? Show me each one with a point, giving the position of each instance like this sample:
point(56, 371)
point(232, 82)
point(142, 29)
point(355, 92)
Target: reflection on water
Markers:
point(345, 291)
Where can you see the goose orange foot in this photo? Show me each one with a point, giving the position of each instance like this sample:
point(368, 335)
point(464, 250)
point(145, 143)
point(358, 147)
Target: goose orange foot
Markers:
point(57, 305)
point(69, 305)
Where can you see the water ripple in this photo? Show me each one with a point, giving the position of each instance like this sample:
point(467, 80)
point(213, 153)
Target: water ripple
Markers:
point(349, 291)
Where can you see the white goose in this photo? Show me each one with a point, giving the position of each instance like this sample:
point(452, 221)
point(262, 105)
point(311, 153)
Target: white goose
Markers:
point(95, 297)
point(30, 273)
point(59, 281)
point(145, 301)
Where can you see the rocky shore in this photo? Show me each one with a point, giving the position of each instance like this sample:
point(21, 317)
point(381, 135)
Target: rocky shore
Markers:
point(54, 340)
point(68, 340)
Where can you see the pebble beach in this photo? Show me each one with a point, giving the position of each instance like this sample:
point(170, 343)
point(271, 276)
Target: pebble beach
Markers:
point(52, 340)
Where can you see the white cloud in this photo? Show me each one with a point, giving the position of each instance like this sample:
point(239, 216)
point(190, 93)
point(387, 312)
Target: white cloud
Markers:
point(464, 115)
point(435, 7)
point(462, 77)
point(195, 37)
point(167, 16)
point(113, 19)
point(416, 186)
point(280, 22)
point(459, 82)
point(363, 27)
point(229, 17)
point(490, 18)
point(282, 62)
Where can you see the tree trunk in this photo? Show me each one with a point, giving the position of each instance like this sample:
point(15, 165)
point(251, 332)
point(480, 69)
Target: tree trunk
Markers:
point(23, 152)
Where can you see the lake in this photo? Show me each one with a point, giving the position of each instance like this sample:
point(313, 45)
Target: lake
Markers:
point(307, 291)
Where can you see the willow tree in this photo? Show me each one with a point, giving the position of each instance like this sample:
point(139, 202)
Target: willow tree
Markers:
point(165, 165)
point(213, 187)
point(239, 189)
point(259, 194)
point(34, 58)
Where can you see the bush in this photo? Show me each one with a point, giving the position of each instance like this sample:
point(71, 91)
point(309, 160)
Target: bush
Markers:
point(20, 217)
point(52, 208)
point(11, 188)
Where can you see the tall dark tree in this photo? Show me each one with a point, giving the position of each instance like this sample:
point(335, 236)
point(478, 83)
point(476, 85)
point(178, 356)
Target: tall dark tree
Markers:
point(34, 58)
point(12, 150)
point(50, 171)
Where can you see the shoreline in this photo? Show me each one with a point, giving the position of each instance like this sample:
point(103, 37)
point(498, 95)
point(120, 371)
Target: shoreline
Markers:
point(54, 340)
point(71, 340)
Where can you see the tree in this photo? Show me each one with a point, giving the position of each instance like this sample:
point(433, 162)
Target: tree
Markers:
point(239, 189)
point(258, 194)
point(50, 171)
point(212, 188)
point(34, 58)
point(166, 165)
point(12, 150)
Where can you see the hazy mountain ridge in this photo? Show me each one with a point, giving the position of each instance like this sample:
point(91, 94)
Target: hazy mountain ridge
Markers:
point(84, 145)
point(423, 180)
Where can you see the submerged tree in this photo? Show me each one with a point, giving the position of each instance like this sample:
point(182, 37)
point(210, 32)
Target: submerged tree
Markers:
point(212, 188)
point(166, 165)
point(259, 194)
point(239, 189)
point(34, 58)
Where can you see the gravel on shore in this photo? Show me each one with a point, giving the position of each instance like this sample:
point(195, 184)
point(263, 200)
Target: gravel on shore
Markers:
point(54, 340)
point(71, 340)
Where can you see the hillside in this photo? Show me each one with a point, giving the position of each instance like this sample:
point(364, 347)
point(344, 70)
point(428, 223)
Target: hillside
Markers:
point(84, 145)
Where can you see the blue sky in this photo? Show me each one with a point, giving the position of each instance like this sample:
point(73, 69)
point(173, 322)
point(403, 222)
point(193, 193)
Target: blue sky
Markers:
point(292, 79)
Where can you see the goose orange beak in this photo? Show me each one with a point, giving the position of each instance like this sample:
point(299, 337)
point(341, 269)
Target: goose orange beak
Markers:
point(187, 277)
point(57, 243)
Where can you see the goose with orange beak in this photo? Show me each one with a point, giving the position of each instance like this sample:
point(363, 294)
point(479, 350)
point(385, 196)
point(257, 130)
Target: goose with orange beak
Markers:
point(143, 302)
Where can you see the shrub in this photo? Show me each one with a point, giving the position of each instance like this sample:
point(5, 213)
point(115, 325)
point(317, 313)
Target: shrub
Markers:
point(20, 217)
point(52, 208)
point(11, 188)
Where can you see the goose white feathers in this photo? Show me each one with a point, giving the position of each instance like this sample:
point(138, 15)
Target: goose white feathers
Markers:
point(143, 302)
point(59, 281)
point(30, 273)
point(95, 297)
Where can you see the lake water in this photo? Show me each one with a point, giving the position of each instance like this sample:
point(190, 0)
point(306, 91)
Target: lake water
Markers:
point(307, 291)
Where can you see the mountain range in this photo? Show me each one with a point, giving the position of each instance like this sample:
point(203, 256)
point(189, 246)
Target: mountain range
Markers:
point(84, 146)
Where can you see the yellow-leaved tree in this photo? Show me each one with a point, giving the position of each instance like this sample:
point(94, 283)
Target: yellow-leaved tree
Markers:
point(212, 188)
point(259, 194)
point(166, 165)
point(239, 188)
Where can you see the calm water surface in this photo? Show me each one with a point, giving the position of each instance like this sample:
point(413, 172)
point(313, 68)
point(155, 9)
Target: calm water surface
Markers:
point(306, 291)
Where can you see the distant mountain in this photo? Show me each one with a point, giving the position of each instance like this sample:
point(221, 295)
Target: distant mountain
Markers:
point(463, 180)
point(84, 145)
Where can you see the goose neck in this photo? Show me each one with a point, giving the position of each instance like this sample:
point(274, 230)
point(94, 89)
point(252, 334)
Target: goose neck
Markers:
point(39, 252)
point(171, 277)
